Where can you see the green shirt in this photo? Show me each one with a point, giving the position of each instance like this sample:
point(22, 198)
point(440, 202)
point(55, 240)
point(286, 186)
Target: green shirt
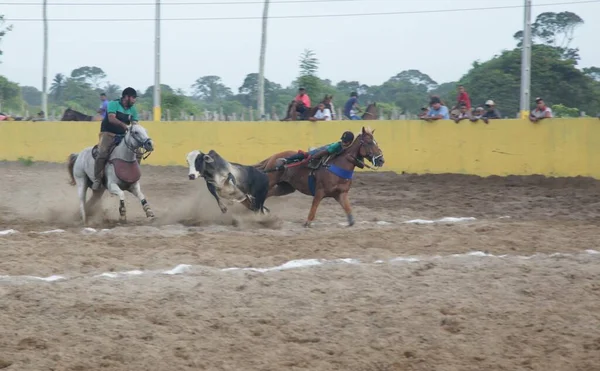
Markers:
point(125, 115)
point(334, 148)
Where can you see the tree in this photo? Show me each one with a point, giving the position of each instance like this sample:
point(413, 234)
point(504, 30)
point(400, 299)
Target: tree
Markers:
point(309, 65)
point(89, 74)
point(149, 92)
point(560, 110)
point(555, 29)
point(593, 72)
point(112, 91)
point(211, 89)
point(555, 79)
point(416, 77)
point(58, 86)
point(10, 94)
point(3, 30)
point(249, 90)
point(31, 95)
point(346, 87)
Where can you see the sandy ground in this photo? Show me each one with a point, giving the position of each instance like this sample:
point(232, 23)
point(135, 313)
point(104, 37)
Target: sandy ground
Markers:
point(531, 304)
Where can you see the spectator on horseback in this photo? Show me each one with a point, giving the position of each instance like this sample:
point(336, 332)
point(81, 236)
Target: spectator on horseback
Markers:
point(304, 101)
point(351, 107)
point(121, 113)
point(331, 149)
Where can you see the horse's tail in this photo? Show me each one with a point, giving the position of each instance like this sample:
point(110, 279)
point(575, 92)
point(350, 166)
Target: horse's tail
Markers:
point(72, 159)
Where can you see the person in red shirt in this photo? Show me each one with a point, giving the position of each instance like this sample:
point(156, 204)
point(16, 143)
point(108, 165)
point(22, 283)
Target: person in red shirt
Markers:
point(463, 97)
point(303, 98)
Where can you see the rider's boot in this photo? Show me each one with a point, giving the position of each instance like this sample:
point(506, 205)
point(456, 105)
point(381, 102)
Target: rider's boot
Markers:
point(284, 161)
point(98, 168)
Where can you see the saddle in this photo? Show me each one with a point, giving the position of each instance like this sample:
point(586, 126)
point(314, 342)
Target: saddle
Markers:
point(117, 140)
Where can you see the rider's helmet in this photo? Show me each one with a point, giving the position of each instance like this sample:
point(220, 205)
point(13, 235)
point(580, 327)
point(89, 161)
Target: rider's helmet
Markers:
point(347, 137)
point(129, 92)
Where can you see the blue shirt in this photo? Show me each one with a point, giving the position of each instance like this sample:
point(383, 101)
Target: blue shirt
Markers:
point(349, 104)
point(442, 111)
point(104, 107)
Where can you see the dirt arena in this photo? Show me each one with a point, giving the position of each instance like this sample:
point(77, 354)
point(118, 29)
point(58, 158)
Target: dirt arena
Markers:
point(512, 283)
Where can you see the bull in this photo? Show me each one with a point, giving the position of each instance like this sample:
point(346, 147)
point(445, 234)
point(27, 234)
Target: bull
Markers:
point(230, 181)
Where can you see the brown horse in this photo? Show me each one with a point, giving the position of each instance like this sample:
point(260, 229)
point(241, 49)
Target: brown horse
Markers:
point(72, 115)
point(370, 112)
point(329, 178)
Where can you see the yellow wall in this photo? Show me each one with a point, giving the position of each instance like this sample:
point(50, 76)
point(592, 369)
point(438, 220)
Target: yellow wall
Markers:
point(559, 147)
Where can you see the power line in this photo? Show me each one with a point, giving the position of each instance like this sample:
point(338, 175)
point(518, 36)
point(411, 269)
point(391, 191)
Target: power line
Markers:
point(191, 3)
point(297, 16)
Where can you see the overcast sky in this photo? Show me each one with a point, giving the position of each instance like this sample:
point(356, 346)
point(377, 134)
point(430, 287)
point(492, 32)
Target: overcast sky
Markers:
point(369, 49)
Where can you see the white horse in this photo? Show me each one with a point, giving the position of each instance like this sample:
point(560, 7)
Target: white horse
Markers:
point(121, 172)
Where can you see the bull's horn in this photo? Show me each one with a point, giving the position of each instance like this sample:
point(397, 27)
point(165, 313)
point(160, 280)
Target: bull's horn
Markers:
point(207, 158)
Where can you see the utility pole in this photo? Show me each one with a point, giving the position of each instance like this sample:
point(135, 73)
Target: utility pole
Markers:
point(261, 67)
point(45, 63)
point(526, 62)
point(157, 111)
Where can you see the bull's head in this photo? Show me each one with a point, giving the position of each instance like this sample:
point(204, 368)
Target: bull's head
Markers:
point(191, 161)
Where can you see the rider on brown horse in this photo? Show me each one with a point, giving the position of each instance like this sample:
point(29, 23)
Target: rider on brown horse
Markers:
point(331, 149)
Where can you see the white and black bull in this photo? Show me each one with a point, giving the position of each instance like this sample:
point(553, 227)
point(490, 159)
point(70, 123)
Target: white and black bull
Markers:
point(230, 181)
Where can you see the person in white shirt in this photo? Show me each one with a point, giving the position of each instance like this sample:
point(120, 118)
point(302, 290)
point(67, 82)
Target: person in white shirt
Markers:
point(541, 111)
point(322, 114)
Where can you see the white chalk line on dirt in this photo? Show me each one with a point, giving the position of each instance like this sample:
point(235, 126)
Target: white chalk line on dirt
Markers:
point(294, 264)
point(380, 223)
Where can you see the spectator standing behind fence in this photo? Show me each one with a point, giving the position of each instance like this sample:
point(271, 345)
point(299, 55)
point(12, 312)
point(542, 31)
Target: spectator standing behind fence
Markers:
point(491, 112)
point(540, 112)
point(463, 97)
point(464, 114)
point(436, 111)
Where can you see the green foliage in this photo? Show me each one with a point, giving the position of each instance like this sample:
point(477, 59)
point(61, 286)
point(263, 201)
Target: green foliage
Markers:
point(559, 110)
point(90, 75)
point(211, 89)
point(26, 161)
point(555, 79)
point(3, 30)
point(10, 95)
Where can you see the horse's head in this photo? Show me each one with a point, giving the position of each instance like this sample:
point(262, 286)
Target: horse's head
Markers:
point(369, 148)
point(138, 140)
point(370, 112)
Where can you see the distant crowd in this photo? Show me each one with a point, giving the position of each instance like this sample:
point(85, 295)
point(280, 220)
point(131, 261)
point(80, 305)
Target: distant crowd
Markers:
point(463, 110)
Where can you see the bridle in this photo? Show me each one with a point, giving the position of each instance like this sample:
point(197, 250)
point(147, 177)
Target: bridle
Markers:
point(139, 148)
point(373, 157)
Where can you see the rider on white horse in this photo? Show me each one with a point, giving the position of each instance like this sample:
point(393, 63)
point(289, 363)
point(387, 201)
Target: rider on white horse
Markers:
point(121, 113)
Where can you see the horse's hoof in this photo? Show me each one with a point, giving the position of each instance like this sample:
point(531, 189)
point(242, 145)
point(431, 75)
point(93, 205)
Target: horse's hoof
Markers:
point(307, 225)
point(350, 221)
point(150, 214)
point(224, 210)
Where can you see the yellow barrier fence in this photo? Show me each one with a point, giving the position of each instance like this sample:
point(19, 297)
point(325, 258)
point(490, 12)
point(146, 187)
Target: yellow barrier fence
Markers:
point(557, 147)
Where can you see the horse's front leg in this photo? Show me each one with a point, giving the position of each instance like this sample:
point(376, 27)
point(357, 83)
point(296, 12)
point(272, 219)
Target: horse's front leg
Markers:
point(345, 202)
point(319, 195)
point(114, 189)
point(136, 190)
point(82, 192)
